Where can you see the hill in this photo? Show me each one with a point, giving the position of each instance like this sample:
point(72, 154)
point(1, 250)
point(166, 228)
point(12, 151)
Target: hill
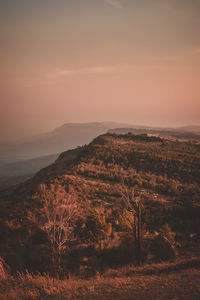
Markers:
point(161, 166)
point(20, 161)
point(166, 175)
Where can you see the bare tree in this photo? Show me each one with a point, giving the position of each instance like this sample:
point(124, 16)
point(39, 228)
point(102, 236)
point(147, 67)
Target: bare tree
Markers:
point(60, 211)
point(132, 201)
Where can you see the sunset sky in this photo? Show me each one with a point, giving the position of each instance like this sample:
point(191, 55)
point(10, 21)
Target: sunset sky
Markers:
point(135, 61)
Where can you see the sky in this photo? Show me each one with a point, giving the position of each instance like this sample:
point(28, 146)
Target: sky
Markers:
point(133, 61)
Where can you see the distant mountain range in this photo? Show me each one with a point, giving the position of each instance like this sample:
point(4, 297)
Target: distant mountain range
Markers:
point(68, 136)
point(20, 161)
point(165, 172)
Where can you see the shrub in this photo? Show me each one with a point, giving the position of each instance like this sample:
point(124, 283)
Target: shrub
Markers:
point(162, 249)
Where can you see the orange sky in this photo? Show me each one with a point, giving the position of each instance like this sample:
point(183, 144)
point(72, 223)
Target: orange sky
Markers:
point(95, 60)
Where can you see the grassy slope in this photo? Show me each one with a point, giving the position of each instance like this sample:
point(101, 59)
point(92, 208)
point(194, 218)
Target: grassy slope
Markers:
point(103, 162)
point(175, 280)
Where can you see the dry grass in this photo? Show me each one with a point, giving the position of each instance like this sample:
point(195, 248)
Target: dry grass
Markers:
point(173, 281)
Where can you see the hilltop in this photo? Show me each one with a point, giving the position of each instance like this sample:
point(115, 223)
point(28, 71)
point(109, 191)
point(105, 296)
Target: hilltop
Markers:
point(167, 168)
point(186, 133)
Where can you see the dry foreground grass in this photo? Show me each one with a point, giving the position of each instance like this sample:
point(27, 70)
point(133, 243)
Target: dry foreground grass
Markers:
point(178, 280)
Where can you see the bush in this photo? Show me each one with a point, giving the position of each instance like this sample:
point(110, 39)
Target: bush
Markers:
point(162, 249)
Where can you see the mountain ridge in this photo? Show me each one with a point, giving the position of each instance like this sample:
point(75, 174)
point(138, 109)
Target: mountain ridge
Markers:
point(109, 153)
point(166, 173)
point(69, 136)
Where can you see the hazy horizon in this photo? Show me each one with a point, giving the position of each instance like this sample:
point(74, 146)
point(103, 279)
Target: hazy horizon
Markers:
point(76, 61)
point(31, 136)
